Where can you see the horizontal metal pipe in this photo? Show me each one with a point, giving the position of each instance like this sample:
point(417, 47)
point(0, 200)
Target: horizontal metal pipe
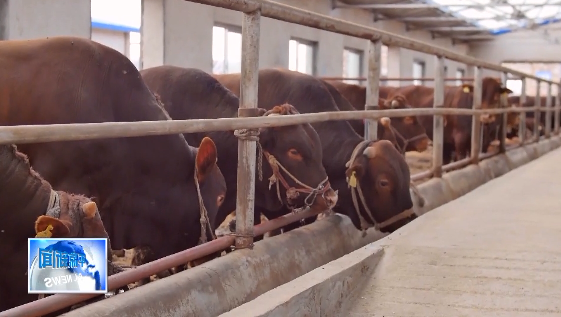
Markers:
point(395, 78)
point(88, 131)
point(421, 175)
point(60, 301)
point(283, 12)
point(456, 165)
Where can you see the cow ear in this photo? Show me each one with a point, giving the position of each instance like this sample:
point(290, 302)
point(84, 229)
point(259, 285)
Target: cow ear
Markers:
point(89, 208)
point(467, 88)
point(206, 158)
point(49, 227)
point(505, 90)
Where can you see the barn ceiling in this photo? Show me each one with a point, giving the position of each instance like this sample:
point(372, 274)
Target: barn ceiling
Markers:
point(463, 20)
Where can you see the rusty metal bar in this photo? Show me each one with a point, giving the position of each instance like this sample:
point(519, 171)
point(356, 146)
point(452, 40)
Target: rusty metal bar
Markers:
point(247, 148)
point(503, 103)
point(395, 78)
point(60, 301)
point(476, 121)
point(557, 111)
point(438, 120)
point(537, 113)
point(421, 175)
point(283, 12)
point(522, 124)
point(24, 134)
point(373, 87)
point(548, 113)
point(456, 165)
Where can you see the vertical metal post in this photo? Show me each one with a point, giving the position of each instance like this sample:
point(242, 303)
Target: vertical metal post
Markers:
point(476, 121)
point(373, 87)
point(504, 117)
point(247, 148)
point(522, 126)
point(557, 110)
point(438, 120)
point(548, 112)
point(537, 113)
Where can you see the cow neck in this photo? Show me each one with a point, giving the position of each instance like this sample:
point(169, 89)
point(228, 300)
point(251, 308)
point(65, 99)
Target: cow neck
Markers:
point(24, 195)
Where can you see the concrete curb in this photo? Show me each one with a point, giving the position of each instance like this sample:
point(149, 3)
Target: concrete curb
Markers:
point(229, 281)
point(301, 297)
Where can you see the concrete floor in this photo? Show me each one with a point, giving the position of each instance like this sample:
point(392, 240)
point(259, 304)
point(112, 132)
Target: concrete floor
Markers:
point(493, 252)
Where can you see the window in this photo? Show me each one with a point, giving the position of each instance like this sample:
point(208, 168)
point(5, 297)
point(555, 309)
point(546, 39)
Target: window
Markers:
point(460, 73)
point(418, 72)
point(134, 48)
point(226, 50)
point(302, 56)
point(384, 61)
point(352, 65)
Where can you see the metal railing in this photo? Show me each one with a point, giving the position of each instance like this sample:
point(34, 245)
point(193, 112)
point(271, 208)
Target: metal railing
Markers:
point(253, 11)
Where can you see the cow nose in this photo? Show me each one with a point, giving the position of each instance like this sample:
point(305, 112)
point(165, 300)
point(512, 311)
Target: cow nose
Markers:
point(331, 197)
point(422, 145)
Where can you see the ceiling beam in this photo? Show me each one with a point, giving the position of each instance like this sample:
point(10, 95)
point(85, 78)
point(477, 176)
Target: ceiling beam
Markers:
point(417, 6)
point(474, 37)
point(431, 19)
point(454, 29)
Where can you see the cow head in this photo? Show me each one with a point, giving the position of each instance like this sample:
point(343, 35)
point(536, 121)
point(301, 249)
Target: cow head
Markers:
point(380, 172)
point(410, 134)
point(293, 157)
point(492, 90)
point(79, 218)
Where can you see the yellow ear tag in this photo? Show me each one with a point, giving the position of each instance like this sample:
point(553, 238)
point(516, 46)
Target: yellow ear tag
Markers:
point(45, 233)
point(466, 90)
point(352, 179)
point(504, 93)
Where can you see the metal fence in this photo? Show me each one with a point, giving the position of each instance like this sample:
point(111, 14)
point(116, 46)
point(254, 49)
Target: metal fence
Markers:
point(253, 11)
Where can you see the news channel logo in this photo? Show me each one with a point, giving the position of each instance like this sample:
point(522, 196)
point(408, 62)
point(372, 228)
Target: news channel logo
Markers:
point(75, 266)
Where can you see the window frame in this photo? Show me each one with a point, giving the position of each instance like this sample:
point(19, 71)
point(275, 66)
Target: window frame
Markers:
point(228, 29)
point(360, 54)
point(313, 45)
point(461, 71)
point(423, 64)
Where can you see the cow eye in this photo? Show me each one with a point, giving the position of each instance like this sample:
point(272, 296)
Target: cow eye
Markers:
point(294, 155)
point(220, 200)
point(384, 183)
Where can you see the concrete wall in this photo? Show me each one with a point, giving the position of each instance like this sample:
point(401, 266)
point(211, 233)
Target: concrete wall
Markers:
point(540, 45)
point(41, 18)
point(185, 39)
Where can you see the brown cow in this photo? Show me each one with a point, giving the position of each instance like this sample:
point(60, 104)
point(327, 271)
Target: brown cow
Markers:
point(410, 134)
point(354, 166)
point(531, 102)
point(422, 97)
point(356, 94)
point(146, 187)
point(30, 207)
point(189, 93)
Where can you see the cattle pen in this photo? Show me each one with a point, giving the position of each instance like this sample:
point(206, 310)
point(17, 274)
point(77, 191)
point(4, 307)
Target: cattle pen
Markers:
point(204, 301)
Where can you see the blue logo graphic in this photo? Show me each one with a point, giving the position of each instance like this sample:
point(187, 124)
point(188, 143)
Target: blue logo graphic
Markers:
point(76, 266)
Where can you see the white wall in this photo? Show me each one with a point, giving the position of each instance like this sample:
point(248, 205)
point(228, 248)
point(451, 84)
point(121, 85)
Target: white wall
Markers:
point(185, 39)
point(28, 19)
point(114, 39)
